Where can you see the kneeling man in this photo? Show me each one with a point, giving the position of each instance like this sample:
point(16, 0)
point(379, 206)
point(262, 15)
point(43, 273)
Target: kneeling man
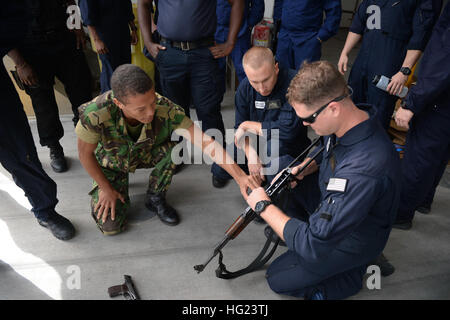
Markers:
point(352, 194)
point(130, 128)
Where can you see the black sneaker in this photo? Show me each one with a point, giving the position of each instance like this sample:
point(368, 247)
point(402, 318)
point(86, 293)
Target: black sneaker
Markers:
point(385, 266)
point(218, 183)
point(424, 209)
point(60, 227)
point(402, 224)
point(58, 161)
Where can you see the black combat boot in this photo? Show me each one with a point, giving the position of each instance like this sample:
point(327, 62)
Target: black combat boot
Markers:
point(218, 183)
point(156, 202)
point(60, 227)
point(58, 162)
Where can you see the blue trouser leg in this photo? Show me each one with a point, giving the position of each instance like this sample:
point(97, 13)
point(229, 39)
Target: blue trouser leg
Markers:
point(174, 75)
point(428, 200)
point(364, 91)
point(285, 55)
point(310, 50)
point(337, 277)
point(205, 89)
point(18, 153)
point(107, 71)
point(241, 47)
point(427, 149)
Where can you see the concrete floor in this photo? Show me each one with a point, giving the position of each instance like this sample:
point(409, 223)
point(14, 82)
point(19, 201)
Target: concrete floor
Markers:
point(34, 265)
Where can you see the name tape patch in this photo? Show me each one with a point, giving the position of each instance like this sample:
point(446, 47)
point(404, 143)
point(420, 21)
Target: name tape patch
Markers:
point(337, 184)
point(260, 104)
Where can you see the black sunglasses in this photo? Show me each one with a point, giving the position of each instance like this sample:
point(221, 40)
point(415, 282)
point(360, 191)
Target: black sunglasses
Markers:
point(313, 117)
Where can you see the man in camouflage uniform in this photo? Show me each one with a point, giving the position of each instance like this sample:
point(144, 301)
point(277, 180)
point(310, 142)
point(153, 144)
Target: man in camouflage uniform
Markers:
point(130, 128)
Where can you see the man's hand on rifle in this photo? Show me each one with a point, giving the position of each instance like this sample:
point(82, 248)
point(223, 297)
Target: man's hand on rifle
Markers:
point(310, 169)
point(248, 182)
point(257, 195)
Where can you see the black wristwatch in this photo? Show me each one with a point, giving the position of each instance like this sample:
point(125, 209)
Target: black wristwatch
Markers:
point(261, 206)
point(405, 70)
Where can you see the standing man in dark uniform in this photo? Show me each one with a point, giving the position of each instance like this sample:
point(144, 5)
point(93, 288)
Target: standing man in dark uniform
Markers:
point(353, 199)
point(261, 106)
point(303, 29)
point(253, 14)
point(393, 39)
point(50, 49)
point(187, 55)
point(109, 22)
point(426, 112)
point(17, 150)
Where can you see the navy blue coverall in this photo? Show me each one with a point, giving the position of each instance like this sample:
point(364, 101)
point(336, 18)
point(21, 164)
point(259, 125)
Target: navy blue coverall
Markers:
point(301, 24)
point(253, 14)
point(110, 19)
point(353, 201)
point(405, 25)
point(427, 149)
point(17, 149)
point(274, 112)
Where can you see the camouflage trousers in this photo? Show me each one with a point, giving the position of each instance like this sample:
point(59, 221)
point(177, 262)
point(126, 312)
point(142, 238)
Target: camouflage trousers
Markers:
point(159, 181)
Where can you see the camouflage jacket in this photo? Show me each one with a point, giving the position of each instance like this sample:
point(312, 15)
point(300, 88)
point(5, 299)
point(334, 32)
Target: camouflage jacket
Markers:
point(116, 150)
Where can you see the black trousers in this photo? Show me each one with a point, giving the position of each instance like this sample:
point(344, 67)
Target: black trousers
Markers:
point(57, 58)
point(18, 152)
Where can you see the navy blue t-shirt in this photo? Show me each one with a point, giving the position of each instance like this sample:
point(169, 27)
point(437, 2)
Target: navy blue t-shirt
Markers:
point(187, 20)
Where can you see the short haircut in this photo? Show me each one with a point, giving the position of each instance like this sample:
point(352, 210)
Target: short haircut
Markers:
point(315, 82)
point(255, 57)
point(129, 80)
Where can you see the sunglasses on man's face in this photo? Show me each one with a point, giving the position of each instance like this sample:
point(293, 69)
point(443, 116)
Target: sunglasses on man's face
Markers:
point(312, 118)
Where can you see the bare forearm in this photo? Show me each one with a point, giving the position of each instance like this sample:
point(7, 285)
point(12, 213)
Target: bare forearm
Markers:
point(276, 219)
point(236, 15)
point(93, 32)
point(145, 20)
point(412, 56)
point(17, 57)
point(92, 167)
point(252, 126)
point(213, 149)
point(350, 42)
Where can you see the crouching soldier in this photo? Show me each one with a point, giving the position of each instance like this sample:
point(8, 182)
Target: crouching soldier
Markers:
point(130, 128)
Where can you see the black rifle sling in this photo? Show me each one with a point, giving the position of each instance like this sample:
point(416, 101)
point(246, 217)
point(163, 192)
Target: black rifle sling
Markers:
point(259, 262)
point(261, 259)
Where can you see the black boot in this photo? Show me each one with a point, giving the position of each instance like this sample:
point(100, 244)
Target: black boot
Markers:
point(60, 227)
point(156, 202)
point(218, 183)
point(58, 162)
point(385, 266)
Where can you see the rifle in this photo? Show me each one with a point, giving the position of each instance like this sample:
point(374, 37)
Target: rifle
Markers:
point(274, 191)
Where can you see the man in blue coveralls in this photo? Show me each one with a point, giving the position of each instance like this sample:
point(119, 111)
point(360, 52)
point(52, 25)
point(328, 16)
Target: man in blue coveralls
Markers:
point(253, 13)
point(353, 197)
point(109, 23)
point(303, 29)
point(394, 34)
point(261, 106)
point(426, 112)
point(17, 149)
